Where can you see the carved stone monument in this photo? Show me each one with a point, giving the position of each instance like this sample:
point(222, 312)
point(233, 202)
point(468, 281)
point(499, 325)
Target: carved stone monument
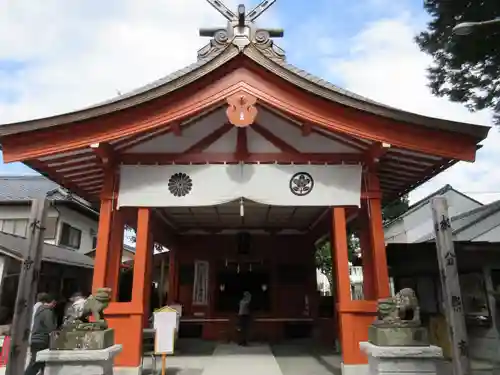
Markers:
point(79, 333)
point(397, 342)
point(398, 322)
point(82, 346)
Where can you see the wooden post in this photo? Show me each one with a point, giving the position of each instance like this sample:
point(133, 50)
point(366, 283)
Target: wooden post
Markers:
point(161, 283)
point(27, 288)
point(450, 283)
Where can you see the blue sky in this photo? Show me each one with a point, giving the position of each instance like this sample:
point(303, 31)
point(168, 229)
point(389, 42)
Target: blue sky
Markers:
point(88, 51)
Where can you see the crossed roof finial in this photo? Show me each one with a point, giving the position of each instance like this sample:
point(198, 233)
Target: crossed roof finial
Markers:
point(241, 31)
point(241, 16)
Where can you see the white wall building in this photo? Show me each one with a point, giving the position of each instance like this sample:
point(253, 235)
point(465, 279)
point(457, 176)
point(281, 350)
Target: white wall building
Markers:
point(415, 225)
point(71, 221)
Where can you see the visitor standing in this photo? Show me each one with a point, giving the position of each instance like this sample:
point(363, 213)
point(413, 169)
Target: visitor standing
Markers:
point(39, 298)
point(244, 318)
point(44, 324)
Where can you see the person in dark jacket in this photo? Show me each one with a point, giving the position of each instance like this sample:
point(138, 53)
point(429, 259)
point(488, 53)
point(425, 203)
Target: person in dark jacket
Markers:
point(44, 324)
point(244, 318)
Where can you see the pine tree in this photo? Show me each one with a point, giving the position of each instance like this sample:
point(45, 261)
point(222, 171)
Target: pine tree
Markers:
point(466, 68)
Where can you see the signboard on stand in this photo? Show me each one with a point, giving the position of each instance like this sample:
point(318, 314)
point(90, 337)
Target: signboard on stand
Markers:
point(166, 324)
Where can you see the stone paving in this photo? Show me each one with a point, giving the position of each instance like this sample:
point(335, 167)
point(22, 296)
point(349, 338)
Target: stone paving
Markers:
point(196, 358)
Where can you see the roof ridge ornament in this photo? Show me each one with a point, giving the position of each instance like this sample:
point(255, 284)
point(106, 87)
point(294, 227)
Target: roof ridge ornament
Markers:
point(241, 31)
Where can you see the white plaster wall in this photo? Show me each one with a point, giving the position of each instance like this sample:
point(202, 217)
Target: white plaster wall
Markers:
point(81, 222)
point(20, 212)
point(395, 233)
point(418, 224)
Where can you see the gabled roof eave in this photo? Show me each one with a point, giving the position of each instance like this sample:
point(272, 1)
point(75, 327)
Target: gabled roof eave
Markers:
point(294, 75)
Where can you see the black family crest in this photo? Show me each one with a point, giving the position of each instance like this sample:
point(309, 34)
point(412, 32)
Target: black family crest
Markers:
point(301, 183)
point(180, 184)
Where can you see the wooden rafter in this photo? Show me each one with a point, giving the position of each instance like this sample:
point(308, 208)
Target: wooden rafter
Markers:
point(176, 128)
point(306, 129)
point(104, 152)
point(274, 140)
point(377, 151)
point(54, 176)
point(210, 139)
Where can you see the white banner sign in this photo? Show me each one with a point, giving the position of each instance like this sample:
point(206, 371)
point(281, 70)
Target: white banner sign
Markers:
point(209, 185)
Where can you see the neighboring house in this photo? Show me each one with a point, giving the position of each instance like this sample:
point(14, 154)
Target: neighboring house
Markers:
point(415, 225)
point(476, 236)
point(71, 221)
point(70, 231)
point(128, 253)
point(479, 225)
point(62, 272)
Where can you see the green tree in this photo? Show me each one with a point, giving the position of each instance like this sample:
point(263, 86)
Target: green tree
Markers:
point(466, 68)
point(395, 209)
point(323, 246)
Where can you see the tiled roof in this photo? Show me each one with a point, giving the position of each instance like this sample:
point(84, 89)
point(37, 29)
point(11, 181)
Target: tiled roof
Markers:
point(17, 247)
point(296, 76)
point(15, 189)
point(467, 219)
point(25, 188)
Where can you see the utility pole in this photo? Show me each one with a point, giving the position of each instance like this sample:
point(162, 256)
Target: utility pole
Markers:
point(27, 288)
point(450, 286)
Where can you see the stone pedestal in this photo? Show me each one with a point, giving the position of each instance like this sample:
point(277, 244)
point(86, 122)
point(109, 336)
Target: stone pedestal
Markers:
point(398, 336)
point(408, 360)
point(84, 340)
point(79, 362)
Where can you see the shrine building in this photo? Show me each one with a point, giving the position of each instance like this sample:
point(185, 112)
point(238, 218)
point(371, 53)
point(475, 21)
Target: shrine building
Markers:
point(238, 164)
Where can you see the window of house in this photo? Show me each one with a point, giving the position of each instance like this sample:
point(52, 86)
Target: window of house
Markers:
point(70, 236)
point(17, 227)
point(50, 228)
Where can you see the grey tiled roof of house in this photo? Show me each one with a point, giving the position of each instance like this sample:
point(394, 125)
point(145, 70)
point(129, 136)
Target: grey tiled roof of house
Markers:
point(25, 188)
point(17, 247)
point(16, 189)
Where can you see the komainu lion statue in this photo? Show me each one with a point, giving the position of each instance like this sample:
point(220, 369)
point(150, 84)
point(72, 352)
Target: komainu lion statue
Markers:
point(93, 307)
point(402, 310)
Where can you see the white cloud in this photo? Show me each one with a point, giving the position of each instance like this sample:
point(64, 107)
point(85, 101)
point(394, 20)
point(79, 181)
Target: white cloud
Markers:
point(386, 65)
point(76, 53)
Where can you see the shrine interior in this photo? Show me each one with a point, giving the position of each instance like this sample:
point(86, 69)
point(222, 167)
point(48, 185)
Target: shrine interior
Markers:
point(266, 250)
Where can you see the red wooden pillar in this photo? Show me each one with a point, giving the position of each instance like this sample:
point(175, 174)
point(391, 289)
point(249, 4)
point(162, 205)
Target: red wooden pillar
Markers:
point(148, 280)
point(172, 277)
point(377, 241)
point(340, 255)
point(340, 258)
point(142, 253)
point(369, 283)
point(104, 230)
point(115, 252)
point(381, 273)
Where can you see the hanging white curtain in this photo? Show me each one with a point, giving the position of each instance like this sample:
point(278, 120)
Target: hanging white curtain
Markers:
point(271, 184)
point(200, 286)
point(178, 185)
